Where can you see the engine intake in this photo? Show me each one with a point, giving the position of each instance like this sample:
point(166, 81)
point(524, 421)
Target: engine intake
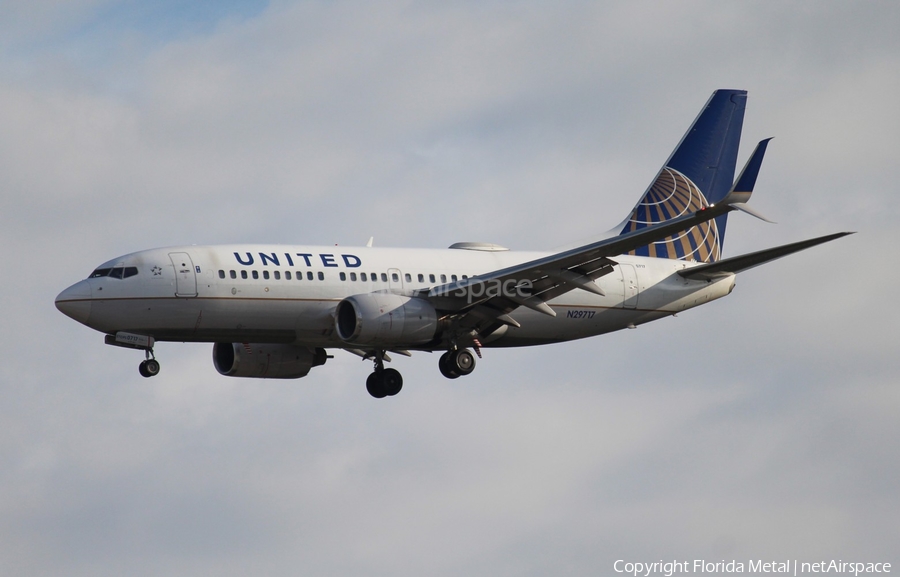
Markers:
point(385, 319)
point(266, 361)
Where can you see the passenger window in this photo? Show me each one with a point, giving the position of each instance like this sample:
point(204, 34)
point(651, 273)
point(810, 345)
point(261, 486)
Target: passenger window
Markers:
point(465, 277)
point(255, 274)
point(431, 278)
point(221, 274)
point(321, 275)
point(395, 277)
point(343, 276)
point(243, 274)
point(233, 274)
point(130, 271)
point(373, 276)
point(383, 277)
point(421, 277)
point(353, 276)
point(277, 275)
point(443, 278)
point(453, 277)
point(309, 275)
point(362, 276)
point(266, 274)
point(287, 275)
point(408, 277)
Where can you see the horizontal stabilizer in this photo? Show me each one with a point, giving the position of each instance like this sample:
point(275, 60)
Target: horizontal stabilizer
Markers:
point(737, 264)
point(743, 186)
point(752, 212)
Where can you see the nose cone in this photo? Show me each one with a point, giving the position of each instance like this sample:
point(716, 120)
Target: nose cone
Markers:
point(75, 301)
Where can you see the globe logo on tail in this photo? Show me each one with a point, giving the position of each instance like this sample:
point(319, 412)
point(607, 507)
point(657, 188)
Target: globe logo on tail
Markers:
point(670, 196)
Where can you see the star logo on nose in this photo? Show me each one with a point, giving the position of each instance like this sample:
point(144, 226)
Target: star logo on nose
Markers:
point(156, 271)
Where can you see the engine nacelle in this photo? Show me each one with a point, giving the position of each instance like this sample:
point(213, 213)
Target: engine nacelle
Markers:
point(385, 319)
point(266, 361)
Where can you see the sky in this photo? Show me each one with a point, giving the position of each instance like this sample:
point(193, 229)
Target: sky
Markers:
point(761, 426)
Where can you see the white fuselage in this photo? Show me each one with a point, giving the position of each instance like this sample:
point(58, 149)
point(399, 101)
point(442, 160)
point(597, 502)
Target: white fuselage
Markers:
point(288, 294)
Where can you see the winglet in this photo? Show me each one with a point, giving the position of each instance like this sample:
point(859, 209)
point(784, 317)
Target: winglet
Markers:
point(743, 186)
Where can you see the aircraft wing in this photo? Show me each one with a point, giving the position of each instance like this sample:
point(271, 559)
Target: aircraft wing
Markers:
point(482, 303)
point(474, 305)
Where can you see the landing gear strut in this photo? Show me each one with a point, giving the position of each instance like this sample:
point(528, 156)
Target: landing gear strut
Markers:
point(383, 382)
point(456, 363)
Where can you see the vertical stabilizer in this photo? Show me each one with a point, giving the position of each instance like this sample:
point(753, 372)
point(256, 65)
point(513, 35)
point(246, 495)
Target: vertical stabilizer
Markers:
point(699, 172)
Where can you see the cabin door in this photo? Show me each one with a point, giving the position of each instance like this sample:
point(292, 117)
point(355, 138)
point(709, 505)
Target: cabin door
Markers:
point(630, 286)
point(185, 274)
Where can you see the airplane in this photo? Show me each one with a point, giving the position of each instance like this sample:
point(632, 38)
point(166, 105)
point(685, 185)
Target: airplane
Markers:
point(274, 311)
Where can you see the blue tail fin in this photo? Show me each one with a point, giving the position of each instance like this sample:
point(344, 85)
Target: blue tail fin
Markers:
point(700, 172)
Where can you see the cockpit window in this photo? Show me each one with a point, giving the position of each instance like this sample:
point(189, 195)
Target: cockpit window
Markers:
point(117, 272)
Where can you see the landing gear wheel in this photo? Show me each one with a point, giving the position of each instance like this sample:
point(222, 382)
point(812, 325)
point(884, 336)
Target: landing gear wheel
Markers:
point(384, 383)
point(375, 386)
point(446, 367)
point(149, 368)
point(457, 363)
point(392, 381)
point(462, 361)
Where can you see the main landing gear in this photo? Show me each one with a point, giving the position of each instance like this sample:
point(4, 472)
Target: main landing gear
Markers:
point(456, 363)
point(383, 382)
point(388, 382)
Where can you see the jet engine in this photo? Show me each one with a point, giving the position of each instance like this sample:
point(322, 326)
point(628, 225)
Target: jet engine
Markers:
point(384, 319)
point(266, 361)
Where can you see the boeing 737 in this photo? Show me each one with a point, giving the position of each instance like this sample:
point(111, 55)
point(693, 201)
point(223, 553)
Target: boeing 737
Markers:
point(275, 311)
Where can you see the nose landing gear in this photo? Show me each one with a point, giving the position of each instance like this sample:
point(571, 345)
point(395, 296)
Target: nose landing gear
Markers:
point(149, 367)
